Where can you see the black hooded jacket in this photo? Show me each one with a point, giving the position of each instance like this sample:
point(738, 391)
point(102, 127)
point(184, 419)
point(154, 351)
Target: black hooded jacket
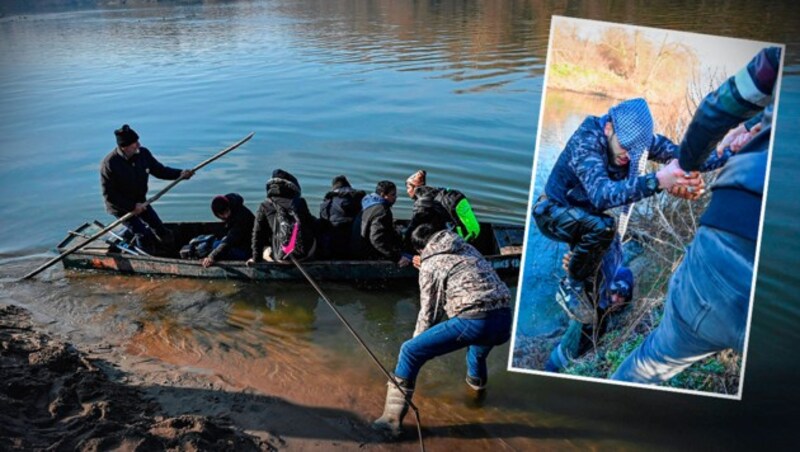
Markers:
point(374, 235)
point(283, 190)
point(238, 226)
point(337, 212)
point(427, 208)
point(124, 181)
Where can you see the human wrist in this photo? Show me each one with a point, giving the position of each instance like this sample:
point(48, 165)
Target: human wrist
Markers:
point(657, 181)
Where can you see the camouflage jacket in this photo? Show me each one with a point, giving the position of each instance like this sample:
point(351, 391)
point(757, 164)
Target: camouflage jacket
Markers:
point(456, 279)
point(585, 177)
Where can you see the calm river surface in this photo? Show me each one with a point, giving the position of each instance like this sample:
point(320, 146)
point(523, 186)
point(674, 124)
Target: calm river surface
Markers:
point(373, 90)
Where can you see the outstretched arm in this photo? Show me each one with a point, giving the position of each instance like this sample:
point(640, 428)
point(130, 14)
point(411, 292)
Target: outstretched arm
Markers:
point(737, 99)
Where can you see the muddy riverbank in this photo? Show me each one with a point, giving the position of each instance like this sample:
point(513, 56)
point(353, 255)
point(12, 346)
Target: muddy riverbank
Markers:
point(56, 395)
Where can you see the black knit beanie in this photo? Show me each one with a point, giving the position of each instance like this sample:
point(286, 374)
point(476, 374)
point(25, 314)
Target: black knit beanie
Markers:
point(126, 136)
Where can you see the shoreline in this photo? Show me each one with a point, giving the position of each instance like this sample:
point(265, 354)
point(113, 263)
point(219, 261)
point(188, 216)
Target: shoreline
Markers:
point(98, 396)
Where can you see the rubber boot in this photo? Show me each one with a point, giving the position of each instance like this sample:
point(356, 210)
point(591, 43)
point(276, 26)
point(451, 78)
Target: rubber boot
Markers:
point(395, 409)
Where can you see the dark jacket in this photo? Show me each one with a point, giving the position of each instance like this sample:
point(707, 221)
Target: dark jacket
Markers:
point(585, 177)
point(427, 208)
point(124, 182)
point(283, 190)
point(454, 278)
point(374, 234)
point(736, 202)
point(337, 212)
point(238, 226)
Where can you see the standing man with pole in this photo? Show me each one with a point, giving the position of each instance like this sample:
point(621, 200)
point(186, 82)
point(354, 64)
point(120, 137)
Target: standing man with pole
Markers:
point(130, 214)
point(124, 174)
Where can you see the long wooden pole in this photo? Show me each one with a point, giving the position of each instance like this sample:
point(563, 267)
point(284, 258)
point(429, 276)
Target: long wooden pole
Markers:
point(128, 215)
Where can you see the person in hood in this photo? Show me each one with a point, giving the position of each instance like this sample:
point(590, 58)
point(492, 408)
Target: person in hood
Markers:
point(238, 219)
point(456, 280)
point(708, 298)
point(124, 174)
point(283, 192)
point(613, 301)
point(599, 170)
point(338, 211)
point(374, 235)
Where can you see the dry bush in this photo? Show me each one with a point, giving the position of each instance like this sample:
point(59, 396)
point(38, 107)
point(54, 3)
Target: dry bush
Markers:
point(621, 64)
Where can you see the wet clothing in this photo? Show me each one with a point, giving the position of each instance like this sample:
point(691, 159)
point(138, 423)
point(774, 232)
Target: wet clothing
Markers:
point(282, 190)
point(456, 280)
point(374, 235)
point(588, 235)
point(338, 211)
point(238, 231)
point(124, 181)
point(705, 310)
point(708, 298)
point(577, 338)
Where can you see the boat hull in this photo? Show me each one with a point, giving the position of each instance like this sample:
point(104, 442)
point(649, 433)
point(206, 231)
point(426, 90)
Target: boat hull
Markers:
point(506, 241)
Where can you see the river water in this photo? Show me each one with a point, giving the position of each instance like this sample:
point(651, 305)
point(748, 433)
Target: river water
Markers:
point(374, 90)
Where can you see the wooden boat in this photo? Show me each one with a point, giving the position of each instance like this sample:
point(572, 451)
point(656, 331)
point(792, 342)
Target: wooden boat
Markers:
point(501, 244)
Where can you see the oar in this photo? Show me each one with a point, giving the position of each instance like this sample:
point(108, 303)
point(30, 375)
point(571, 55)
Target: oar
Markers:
point(288, 250)
point(128, 215)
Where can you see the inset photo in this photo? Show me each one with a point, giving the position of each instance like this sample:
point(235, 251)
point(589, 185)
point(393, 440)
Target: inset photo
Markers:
point(646, 207)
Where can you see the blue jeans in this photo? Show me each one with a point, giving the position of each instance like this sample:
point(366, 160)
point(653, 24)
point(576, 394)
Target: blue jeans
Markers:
point(479, 335)
point(706, 309)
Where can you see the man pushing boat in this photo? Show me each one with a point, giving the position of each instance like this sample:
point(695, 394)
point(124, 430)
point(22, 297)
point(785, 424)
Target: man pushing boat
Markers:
point(124, 174)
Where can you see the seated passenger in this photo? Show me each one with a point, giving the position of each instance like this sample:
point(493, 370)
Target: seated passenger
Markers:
point(235, 245)
point(442, 208)
point(374, 235)
point(283, 222)
point(339, 208)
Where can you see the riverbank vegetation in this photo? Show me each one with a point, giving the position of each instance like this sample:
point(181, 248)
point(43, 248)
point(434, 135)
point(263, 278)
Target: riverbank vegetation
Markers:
point(621, 64)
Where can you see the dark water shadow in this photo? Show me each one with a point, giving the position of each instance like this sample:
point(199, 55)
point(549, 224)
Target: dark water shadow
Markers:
point(285, 419)
point(291, 420)
point(506, 430)
point(279, 416)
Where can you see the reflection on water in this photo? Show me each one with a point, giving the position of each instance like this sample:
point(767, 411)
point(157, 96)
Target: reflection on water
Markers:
point(328, 87)
point(373, 89)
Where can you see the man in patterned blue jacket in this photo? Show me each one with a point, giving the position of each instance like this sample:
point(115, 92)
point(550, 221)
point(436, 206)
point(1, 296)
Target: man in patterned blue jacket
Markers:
point(597, 171)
